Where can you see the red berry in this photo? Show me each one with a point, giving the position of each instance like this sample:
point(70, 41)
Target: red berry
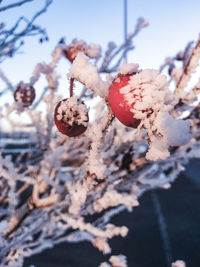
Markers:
point(74, 48)
point(119, 105)
point(25, 94)
point(71, 117)
point(92, 50)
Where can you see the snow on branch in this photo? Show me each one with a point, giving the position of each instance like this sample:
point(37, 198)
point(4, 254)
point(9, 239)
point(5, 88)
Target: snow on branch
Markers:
point(191, 65)
point(79, 163)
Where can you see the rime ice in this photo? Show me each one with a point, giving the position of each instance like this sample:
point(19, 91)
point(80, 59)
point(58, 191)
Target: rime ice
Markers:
point(92, 50)
point(150, 100)
point(72, 111)
point(128, 68)
point(71, 117)
point(87, 74)
point(178, 263)
point(176, 132)
point(107, 169)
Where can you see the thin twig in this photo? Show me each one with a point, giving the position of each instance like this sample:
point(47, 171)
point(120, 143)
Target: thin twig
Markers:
point(14, 5)
point(182, 82)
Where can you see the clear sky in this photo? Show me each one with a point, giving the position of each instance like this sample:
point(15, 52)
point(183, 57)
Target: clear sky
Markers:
point(172, 24)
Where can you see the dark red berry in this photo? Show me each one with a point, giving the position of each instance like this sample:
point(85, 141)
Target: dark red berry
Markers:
point(71, 117)
point(25, 94)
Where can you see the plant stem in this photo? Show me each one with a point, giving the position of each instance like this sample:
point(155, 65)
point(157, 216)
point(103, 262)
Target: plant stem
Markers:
point(71, 87)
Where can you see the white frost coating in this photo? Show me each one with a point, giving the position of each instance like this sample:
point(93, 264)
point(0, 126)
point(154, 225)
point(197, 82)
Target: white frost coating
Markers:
point(150, 85)
point(175, 131)
point(112, 199)
point(115, 260)
point(104, 264)
point(118, 260)
point(95, 162)
point(195, 59)
point(48, 69)
point(178, 263)
point(56, 55)
point(41, 67)
point(128, 68)
point(78, 197)
point(66, 175)
point(158, 149)
point(93, 50)
point(86, 73)
point(52, 79)
point(176, 74)
point(189, 69)
point(150, 100)
point(109, 231)
point(102, 245)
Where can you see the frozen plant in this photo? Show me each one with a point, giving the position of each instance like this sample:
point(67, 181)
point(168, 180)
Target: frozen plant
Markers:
point(140, 137)
point(178, 263)
point(12, 38)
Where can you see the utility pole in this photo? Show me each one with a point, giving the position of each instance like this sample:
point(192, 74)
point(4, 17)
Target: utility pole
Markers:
point(125, 23)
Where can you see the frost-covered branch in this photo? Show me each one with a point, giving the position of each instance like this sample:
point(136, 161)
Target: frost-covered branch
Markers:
point(189, 68)
point(113, 51)
point(12, 39)
point(135, 138)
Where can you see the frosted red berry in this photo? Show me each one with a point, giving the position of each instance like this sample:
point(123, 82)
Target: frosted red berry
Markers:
point(118, 103)
point(71, 51)
point(74, 48)
point(71, 117)
point(24, 94)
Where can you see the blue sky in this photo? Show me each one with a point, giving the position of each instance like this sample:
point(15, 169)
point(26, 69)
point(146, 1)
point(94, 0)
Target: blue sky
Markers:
point(172, 24)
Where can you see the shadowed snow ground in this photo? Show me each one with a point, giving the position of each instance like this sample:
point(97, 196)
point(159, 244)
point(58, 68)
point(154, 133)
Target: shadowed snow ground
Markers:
point(164, 228)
